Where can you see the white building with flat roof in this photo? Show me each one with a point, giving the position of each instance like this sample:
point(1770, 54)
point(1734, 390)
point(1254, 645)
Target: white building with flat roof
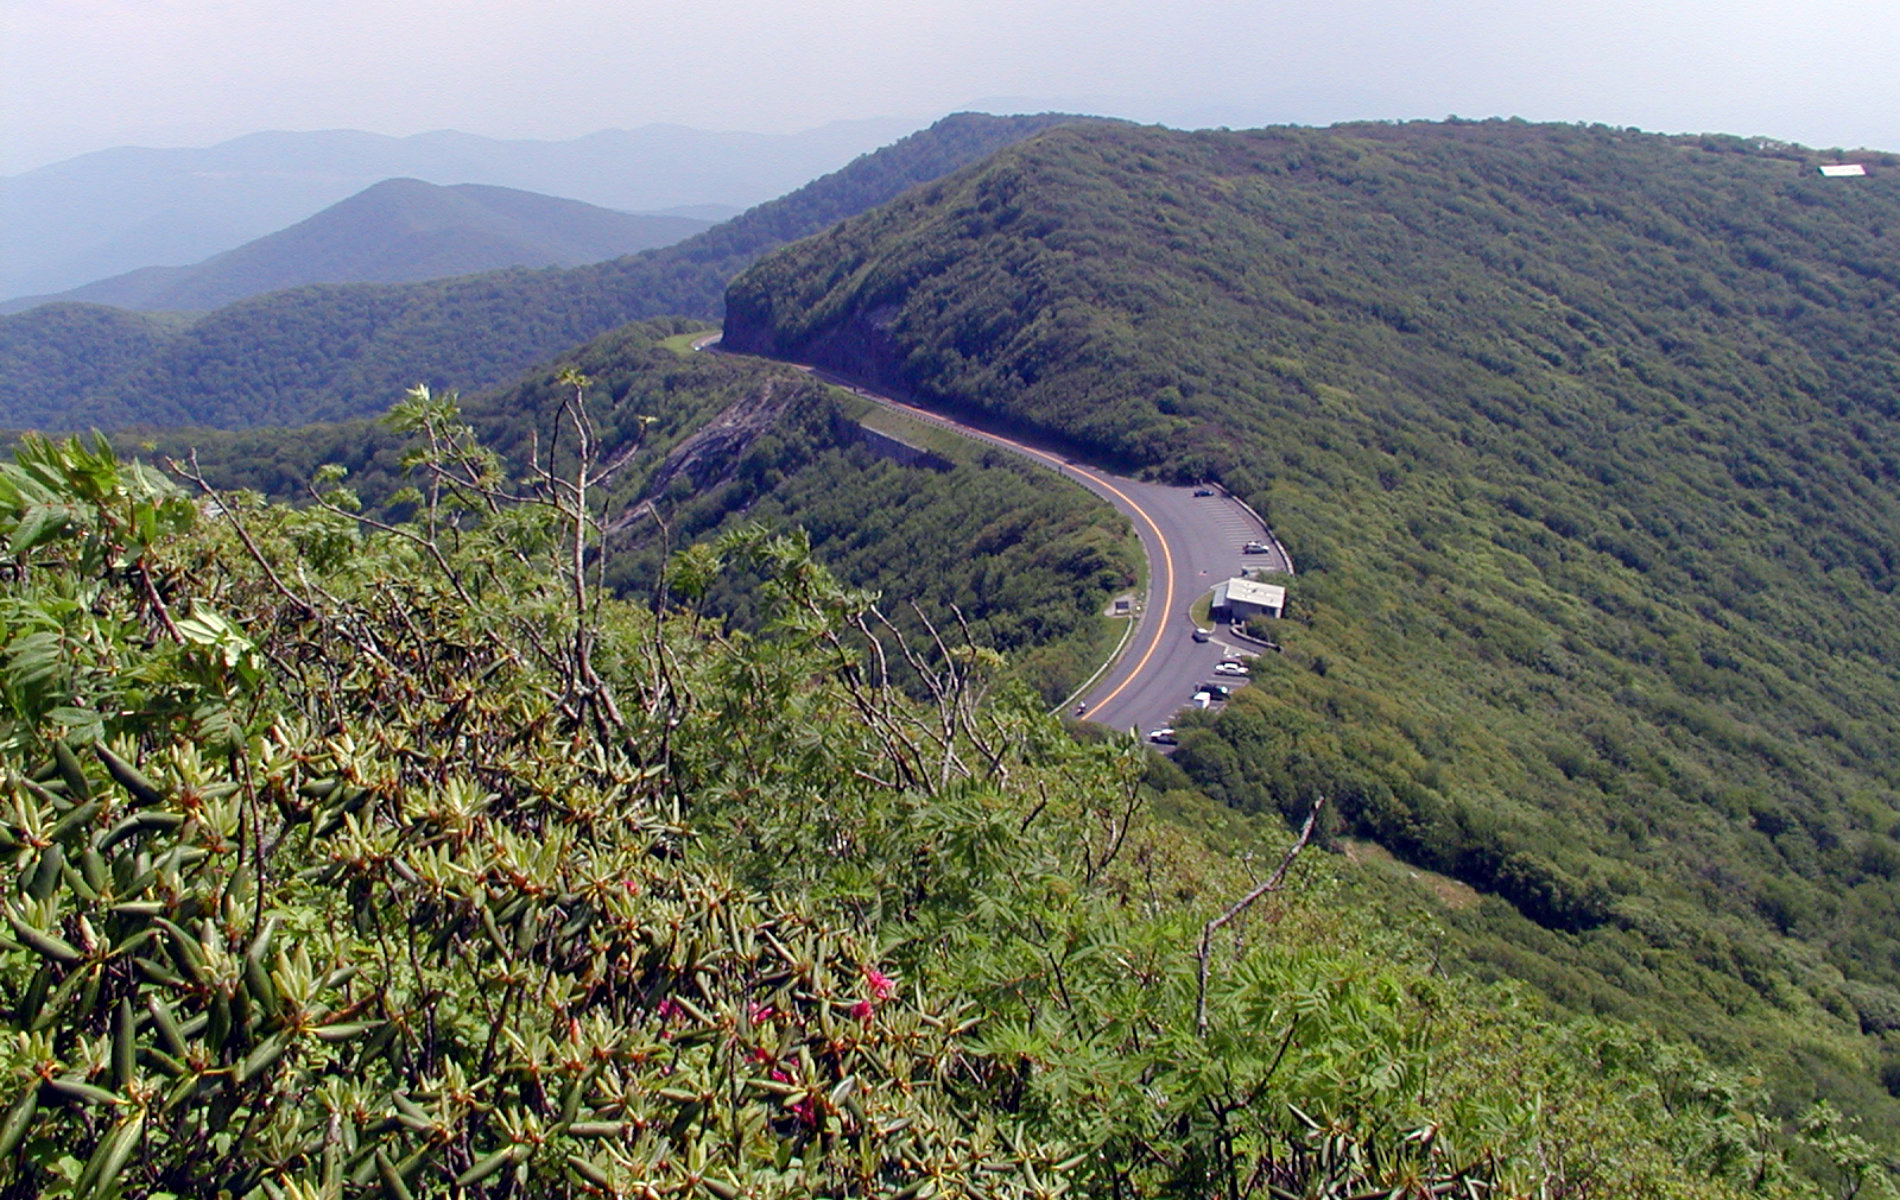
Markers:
point(1239, 599)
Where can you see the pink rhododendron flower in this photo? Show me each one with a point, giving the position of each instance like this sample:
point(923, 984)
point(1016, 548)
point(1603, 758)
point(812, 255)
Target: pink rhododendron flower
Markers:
point(882, 986)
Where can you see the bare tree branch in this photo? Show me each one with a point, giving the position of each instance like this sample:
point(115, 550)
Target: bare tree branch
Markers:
point(1271, 884)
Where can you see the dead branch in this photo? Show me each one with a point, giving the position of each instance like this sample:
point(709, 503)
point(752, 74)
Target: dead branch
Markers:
point(196, 476)
point(1271, 884)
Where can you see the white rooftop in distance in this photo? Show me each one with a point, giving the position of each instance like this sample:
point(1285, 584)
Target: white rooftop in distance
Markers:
point(1246, 591)
point(1842, 170)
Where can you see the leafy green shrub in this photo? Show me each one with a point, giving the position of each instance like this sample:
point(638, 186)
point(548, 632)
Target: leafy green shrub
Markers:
point(431, 869)
point(366, 905)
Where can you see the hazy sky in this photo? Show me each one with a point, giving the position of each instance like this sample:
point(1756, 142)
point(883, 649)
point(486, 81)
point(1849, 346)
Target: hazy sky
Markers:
point(77, 75)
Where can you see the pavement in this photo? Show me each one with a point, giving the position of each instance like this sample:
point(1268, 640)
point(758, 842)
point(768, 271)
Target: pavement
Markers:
point(1191, 542)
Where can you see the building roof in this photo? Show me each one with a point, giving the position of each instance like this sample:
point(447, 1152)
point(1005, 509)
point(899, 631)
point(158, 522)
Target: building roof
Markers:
point(1841, 170)
point(1246, 591)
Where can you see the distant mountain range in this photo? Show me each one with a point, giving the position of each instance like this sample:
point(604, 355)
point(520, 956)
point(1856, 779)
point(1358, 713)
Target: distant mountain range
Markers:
point(103, 214)
point(340, 350)
point(399, 231)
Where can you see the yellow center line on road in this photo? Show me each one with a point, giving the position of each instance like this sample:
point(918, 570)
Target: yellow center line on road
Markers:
point(1167, 587)
point(1167, 555)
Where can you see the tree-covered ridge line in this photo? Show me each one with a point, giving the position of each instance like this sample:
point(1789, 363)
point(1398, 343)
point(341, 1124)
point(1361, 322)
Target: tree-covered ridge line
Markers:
point(384, 859)
point(1582, 439)
point(327, 352)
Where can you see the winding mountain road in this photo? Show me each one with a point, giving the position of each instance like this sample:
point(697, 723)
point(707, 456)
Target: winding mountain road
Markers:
point(1192, 542)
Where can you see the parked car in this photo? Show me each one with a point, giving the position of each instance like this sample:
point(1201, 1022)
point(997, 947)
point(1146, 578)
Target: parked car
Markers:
point(1203, 491)
point(1202, 699)
point(1163, 737)
point(1255, 548)
point(1201, 635)
point(1229, 668)
point(1219, 691)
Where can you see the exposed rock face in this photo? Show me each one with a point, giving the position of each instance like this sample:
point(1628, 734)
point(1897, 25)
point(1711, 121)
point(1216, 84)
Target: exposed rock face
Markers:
point(861, 346)
point(707, 455)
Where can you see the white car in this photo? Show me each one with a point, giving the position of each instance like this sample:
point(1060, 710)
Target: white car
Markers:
point(1229, 668)
point(1163, 737)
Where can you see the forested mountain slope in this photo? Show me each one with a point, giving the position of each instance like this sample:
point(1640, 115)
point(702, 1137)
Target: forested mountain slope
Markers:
point(330, 351)
point(976, 542)
point(1585, 442)
point(366, 859)
point(397, 231)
